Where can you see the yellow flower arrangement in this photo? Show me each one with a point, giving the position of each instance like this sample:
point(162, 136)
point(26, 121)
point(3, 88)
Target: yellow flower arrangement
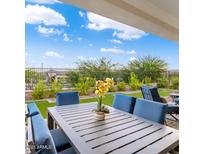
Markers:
point(101, 88)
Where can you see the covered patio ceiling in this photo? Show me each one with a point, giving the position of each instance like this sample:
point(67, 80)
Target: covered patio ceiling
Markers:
point(160, 17)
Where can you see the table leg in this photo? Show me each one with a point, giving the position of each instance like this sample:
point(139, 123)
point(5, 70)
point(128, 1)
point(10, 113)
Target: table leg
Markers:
point(55, 125)
point(50, 121)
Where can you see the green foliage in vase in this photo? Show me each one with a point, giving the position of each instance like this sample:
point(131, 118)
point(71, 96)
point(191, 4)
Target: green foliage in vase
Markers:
point(101, 108)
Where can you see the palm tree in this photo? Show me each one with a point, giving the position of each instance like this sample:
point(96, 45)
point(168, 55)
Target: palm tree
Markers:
point(148, 66)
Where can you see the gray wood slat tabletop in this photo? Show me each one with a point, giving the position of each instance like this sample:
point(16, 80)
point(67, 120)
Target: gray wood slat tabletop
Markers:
point(119, 133)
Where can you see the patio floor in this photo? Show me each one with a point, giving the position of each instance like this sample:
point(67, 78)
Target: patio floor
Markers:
point(171, 122)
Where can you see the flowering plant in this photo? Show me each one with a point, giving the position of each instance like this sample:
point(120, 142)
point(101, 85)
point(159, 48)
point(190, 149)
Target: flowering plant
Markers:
point(101, 88)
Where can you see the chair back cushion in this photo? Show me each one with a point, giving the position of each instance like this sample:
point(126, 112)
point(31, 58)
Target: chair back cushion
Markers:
point(150, 93)
point(44, 143)
point(124, 103)
point(32, 109)
point(150, 110)
point(67, 98)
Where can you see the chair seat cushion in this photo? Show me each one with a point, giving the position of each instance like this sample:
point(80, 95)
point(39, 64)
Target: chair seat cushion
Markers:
point(32, 109)
point(68, 151)
point(60, 140)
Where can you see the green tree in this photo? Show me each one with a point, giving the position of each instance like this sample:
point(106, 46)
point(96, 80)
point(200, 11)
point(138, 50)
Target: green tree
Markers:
point(99, 69)
point(148, 66)
point(121, 74)
point(72, 77)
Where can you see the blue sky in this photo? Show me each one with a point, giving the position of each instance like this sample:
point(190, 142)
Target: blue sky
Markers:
point(59, 34)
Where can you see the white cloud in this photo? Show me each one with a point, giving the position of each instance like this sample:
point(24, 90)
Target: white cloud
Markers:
point(115, 41)
point(44, 1)
point(48, 31)
point(116, 50)
point(36, 14)
point(85, 58)
point(122, 31)
point(131, 52)
point(79, 38)
point(81, 58)
point(82, 26)
point(53, 54)
point(82, 14)
point(112, 50)
point(66, 38)
point(90, 44)
point(133, 58)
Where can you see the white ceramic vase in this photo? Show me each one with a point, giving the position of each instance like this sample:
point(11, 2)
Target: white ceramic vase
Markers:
point(100, 115)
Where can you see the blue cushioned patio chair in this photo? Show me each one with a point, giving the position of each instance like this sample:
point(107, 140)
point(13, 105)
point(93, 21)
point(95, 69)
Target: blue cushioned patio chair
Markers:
point(150, 110)
point(151, 93)
point(32, 109)
point(40, 139)
point(67, 98)
point(60, 140)
point(124, 103)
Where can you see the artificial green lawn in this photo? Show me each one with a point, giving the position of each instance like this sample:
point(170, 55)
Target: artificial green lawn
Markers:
point(108, 99)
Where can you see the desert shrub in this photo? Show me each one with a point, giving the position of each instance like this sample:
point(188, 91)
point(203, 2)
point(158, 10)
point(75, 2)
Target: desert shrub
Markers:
point(40, 90)
point(84, 84)
point(134, 83)
point(112, 89)
point(163, 82)
point(72, 77)
point(55, 87)
point(121, 86)
point(147, 81)
point(174, 83)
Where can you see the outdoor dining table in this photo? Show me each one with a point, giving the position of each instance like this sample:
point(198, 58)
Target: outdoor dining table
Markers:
point(119, 133)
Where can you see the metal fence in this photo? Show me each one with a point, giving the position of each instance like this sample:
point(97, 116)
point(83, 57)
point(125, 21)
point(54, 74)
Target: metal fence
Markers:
point(34, 75)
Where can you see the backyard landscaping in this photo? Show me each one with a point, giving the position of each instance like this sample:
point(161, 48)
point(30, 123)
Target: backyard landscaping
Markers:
point(108, 99)
point(150, 71)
